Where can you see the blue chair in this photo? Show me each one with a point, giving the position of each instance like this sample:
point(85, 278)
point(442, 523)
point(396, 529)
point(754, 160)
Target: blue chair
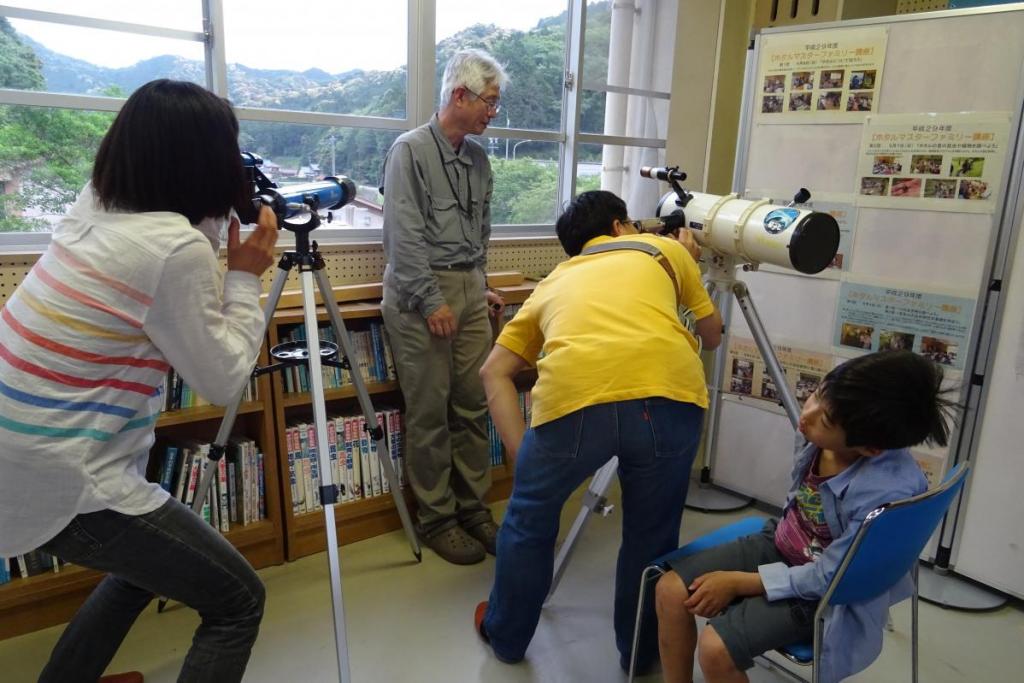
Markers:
point(887, 546)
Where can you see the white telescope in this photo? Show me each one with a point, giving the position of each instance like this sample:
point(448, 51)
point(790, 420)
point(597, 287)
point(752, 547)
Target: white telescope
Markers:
point(751, 231)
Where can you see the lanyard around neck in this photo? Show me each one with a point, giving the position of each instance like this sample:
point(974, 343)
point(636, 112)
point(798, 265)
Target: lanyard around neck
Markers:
point(468, 208)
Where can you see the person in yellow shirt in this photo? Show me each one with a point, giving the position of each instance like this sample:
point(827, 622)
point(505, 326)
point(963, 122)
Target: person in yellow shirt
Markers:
point(618, 375)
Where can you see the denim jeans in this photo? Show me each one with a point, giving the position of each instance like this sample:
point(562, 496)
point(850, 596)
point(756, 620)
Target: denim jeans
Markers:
point(171, 552)
point(655, 440)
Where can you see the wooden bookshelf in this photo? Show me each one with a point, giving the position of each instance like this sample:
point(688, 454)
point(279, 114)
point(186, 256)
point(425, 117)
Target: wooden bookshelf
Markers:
point(356, 520)
point(32, 603)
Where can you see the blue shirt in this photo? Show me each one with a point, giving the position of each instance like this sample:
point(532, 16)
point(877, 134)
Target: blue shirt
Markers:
point(853, 633)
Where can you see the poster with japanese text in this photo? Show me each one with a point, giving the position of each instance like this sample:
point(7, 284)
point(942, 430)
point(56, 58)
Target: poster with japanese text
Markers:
point(876, 317)
point(932, 462)
point(820, 76)
point(747, 375)
point(933, 162)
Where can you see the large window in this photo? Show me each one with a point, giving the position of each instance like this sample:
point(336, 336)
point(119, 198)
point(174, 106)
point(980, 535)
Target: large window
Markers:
point(326, 91)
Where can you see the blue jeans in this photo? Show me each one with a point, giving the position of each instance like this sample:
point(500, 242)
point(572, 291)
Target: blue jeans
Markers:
point(171, 552)
point(655, 440)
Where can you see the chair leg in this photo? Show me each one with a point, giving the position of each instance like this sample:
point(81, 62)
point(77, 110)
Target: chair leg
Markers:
point(913, 626)
point(645, 578)
point(819, 632)
point(889, 626)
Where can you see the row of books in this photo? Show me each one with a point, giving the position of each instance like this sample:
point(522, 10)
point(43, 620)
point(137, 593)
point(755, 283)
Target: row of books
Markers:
point(32, 563)
point(497, 451)
point(178, 394)
point(372, 358)
point(355, 461)
point(237, 495)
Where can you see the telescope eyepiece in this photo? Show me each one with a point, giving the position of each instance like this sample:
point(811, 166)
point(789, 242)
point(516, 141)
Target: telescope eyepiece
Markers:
point(666, 173)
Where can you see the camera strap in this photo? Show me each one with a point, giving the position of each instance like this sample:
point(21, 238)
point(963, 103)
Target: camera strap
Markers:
point(646, 248)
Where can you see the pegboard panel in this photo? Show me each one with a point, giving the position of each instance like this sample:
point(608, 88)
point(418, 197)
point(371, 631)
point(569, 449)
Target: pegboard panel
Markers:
point(352, 263)
point(533, 258)
point(13, 269)
point(346, 264)
point(911, 6)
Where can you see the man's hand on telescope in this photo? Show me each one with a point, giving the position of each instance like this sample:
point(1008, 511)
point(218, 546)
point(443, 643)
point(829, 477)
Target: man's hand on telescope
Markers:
point(442, 322)
point(689, 242)
point(255, 254)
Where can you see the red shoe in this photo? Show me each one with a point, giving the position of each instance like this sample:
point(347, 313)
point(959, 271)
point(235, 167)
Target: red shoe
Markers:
point(478, 624)
point(478, 621)
point(128, 677)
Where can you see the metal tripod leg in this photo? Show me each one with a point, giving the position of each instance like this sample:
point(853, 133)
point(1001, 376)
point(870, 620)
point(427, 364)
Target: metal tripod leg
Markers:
point(387, 465)
point(594, 500)
point(231, 412)
point(701, 494)
point(764, 346)
point(328, 491)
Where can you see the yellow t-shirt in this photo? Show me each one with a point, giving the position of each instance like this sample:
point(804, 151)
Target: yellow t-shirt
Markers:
point(604, 327)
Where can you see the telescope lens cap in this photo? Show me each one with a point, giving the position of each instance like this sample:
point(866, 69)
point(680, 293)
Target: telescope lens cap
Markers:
point(814, 243)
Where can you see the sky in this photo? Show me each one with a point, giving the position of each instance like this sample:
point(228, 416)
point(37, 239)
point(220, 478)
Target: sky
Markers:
point(333, 35)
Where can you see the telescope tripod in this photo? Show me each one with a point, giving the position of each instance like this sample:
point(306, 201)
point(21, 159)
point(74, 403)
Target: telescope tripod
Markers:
point(721, 281)
point(314, 353)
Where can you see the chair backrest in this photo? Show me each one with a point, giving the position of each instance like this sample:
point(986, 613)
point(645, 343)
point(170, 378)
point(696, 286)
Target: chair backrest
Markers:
point(891, 540)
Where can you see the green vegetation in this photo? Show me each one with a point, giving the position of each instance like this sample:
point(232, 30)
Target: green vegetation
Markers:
point(46, 154)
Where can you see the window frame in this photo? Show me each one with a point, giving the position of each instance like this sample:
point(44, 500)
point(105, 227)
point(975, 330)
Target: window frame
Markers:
point(421, 36)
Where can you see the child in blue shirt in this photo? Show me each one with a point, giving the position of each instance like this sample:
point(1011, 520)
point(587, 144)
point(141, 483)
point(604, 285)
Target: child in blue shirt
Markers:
point(760, 592)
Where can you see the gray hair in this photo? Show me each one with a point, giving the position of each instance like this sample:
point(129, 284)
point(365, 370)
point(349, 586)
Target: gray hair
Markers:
point(472, 69)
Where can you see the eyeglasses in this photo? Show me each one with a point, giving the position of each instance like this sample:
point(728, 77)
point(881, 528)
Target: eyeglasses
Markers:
point(492, 104)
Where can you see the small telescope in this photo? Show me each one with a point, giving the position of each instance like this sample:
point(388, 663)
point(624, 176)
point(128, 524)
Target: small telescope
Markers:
point(750, 231)
point(291, 200)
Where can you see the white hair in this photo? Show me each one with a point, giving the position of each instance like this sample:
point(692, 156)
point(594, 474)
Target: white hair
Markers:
point(472, 69)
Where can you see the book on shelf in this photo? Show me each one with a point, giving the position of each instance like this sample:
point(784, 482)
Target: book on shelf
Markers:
point(497, 449)
point(179, 395)
point(237, 492)
point(354, 458)
point(33, 563)
point(373, 358)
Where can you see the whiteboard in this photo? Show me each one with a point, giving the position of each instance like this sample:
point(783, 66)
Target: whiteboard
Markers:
point(946, 62)
point(991, 536)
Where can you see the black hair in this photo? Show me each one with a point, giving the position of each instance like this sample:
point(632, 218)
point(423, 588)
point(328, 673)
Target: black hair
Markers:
point(889, 399)
point(172, 147)
point(589, 215)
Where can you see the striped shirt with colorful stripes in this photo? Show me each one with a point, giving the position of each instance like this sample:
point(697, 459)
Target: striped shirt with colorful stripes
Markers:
point(85, 343)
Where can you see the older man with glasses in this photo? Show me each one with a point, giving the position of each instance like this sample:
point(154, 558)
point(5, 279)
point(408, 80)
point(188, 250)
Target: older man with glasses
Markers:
point(437, 222)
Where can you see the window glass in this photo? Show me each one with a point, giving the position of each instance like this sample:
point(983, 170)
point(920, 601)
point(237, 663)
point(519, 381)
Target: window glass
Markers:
point(616, 168)
point(330, 56)
point(299, 153)
point(71, 59)
point(527, 37)
point(46, 157)
point(628, 51)
point(525, 180)
point(178, 14)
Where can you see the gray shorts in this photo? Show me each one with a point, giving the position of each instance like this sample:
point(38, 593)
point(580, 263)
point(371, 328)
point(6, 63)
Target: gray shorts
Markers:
point(751, 626)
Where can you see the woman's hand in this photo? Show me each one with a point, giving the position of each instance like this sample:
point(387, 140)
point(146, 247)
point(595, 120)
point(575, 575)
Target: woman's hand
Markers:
point(256, 254)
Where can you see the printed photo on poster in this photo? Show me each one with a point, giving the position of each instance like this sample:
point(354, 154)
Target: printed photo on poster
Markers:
point(931, 462)
point(876, 317)
point(748, 376)
point(821, 76)
point(935, 162)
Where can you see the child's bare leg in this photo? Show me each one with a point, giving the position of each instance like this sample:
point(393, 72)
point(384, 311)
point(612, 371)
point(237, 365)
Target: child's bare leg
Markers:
point(677, 629)
point(715, 660)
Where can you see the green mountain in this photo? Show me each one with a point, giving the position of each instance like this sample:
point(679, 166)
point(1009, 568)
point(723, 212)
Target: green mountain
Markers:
point(534, 60)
